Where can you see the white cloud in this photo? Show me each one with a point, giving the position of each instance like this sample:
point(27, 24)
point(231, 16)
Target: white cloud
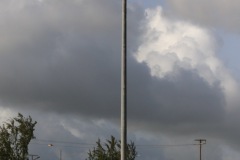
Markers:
point(170, 44)
point(6, 114)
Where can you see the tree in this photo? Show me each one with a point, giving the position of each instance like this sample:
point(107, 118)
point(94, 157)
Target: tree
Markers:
point(111, 150)
point(15, 136)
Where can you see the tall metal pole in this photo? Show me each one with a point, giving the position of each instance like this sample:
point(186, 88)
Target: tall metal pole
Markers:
point(124, 81)
point(60, 155)
point(201, 142)
point(200, 151)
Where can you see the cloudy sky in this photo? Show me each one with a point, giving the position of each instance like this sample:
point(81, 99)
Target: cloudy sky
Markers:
point(60, 63)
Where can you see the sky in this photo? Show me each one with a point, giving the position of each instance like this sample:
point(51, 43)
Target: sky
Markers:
point(60, 63)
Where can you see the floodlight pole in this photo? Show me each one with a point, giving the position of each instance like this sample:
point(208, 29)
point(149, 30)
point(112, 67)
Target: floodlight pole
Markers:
point(124, 82)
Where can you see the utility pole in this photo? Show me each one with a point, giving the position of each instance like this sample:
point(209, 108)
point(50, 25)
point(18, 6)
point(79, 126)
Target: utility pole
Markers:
point(124, 81)
point(201, 142)
point(60, 151)
point(34, 157)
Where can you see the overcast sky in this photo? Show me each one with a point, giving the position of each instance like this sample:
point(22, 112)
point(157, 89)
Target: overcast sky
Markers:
point(60, 63)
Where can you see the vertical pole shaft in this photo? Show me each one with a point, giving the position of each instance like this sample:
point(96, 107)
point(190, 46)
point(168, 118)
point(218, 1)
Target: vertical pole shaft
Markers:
point(60, 155)
point(124, 82)
point(200, 150)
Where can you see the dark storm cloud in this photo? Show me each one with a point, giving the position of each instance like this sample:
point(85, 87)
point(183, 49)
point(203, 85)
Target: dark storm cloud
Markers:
point(184, 102)
point(65, 57)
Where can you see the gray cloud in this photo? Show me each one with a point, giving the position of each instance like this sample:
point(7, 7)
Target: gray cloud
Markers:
point(63, 57)
point(221, 14)
point(186, 103)
point(70, 62)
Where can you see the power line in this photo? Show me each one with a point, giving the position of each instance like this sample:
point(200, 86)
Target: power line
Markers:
point(61, 145)
point(62, 142)
point(165, 145)
point(156, 146)
point(87, 145)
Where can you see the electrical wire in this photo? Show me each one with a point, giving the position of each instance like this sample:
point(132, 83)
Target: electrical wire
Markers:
point(163, 146)
point(87, 145)
point(62, 142)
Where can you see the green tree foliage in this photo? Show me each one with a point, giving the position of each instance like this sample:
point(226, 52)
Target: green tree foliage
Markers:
point(15, 136)
point(111, 150)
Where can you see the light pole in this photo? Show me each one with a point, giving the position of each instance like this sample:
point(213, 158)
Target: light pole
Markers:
point(201, 142)
point(60, 151)
point(124, 81)
point(34, 157)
